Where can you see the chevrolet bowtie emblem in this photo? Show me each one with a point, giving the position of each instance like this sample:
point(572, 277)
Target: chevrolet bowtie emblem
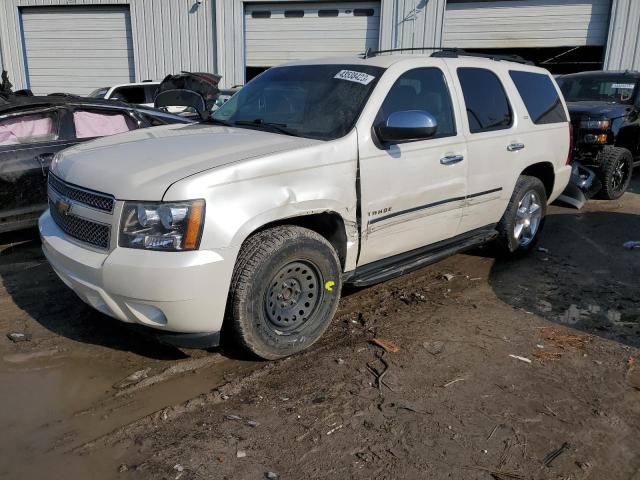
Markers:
point(63, 206)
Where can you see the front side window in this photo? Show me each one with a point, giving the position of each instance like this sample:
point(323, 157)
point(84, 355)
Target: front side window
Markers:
point(30, 128)
point(421, 89)
point(313, 101)
point(598, 88)
point(90, 124)
point(486, 102)
point(539, 96)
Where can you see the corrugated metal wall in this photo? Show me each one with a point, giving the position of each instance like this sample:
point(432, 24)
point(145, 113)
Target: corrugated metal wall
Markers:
point(526, 23)
point(412, 23)
point(168, 35)
point(623, 48)
point(404, 23)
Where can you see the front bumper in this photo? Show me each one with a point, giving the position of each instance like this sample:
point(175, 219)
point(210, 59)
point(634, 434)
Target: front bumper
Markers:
point(179, 292)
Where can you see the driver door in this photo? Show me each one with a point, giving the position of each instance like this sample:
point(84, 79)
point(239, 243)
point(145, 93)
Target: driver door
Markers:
point(413, 193)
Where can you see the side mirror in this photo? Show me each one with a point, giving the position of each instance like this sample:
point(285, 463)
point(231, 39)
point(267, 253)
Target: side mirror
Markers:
point(407, 125)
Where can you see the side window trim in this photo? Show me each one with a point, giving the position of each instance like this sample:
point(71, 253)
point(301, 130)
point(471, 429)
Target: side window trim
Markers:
point(506, 96)
point(452, 109)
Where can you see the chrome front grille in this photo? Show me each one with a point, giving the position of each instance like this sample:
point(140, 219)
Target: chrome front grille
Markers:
point(97, 200)
point(88, 231)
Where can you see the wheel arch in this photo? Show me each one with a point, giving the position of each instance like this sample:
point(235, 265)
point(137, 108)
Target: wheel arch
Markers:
point(543, 171)
point(329, 223)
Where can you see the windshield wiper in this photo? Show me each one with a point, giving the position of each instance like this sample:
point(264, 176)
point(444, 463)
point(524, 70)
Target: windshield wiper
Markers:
point(258, 122)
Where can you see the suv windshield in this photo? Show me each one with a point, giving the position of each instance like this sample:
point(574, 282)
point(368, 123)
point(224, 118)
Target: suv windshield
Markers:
point(313, 101)
point(602, 88)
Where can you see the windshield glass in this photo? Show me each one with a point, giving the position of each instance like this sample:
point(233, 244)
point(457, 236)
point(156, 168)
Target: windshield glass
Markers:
point(313, 101)
point(607, 88)
point(99, 92)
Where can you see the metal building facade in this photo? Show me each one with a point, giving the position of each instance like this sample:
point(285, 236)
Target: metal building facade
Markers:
point(167, 35)
point(209, 35)
point(623, 47)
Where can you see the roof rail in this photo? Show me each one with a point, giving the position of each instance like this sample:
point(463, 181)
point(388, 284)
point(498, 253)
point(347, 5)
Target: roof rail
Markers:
point(440, 52)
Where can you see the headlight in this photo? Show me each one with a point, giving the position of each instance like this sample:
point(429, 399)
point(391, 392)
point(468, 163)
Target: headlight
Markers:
point(171, 226)
point(595, 124)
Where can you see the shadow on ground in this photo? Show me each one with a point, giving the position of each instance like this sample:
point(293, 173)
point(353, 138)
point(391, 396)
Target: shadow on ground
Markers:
point(35, 289)
point(586, 280)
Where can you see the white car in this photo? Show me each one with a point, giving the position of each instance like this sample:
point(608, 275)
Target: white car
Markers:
point(316, 174)
point(141, 93)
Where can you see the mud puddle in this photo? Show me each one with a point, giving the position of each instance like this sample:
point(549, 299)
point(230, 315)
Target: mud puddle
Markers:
point(54, 403)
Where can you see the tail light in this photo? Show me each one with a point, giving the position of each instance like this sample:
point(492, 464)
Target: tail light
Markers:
point(570, 154)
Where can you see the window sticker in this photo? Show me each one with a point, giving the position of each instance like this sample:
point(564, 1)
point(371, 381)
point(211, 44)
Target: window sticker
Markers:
point(623, 86)
point(358, 77)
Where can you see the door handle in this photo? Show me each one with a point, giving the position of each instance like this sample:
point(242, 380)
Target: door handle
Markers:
point(514, 147)
point(451, 159)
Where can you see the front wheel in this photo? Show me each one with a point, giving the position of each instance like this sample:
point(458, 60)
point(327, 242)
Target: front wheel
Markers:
point(284, 291)
point(616, 170)
point(520, 226)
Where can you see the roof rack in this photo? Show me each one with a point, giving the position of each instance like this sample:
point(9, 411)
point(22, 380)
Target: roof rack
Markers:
point(440, 52)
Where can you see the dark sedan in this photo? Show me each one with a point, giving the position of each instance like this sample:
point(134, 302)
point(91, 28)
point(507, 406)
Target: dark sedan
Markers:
point(34, 129)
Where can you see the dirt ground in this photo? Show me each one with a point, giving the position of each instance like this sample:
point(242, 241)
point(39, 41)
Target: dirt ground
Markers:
point(519, 369)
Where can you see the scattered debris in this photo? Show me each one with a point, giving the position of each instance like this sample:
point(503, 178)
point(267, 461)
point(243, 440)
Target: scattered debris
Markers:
point(453, 381)
point(563, 340)
point(252, 423)
point(434, 348)
point(522, 359)
point(543, 250)
point(241, 454)
point(339, 361)
point(132, 379)
point(18, 337)
point(633, 373)
point(123, 468)
point(232, 417)
point(547, 356)
point(387, 345)
point(334, 429)
point(447, 276)
point(551, 456)
point(271, 475)
point(492, 432)
point(632, 245)
point(178, 468)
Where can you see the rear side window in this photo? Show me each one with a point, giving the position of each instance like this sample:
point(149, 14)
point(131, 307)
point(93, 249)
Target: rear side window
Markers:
point(540, 97)
point(91, 124)
point(487, 104)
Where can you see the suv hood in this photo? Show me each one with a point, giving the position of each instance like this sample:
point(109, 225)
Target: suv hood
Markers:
point(595, 109)
point(141, 165)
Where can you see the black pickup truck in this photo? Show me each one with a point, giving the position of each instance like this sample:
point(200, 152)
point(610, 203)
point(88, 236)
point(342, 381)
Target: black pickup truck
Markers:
point(605, 114)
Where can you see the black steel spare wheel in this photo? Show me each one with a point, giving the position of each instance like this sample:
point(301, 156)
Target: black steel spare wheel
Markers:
point(293, 295)
point(284, 291)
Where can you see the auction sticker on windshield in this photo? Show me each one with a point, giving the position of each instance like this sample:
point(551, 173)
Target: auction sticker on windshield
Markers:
point(351, 76)
point(623, 86)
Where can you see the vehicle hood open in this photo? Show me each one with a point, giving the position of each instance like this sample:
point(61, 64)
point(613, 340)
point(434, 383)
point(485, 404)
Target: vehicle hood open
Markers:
point(141, 165)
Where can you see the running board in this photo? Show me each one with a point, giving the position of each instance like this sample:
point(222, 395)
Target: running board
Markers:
point(397, 265)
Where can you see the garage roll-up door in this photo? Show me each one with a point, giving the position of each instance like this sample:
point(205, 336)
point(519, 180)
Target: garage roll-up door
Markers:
point(77, 49)
point(526, 23)
point(280, 32)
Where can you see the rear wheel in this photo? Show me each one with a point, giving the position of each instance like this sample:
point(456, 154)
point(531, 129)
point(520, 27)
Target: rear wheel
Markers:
point(520, 226)
point(616, 167)
point(284, 291)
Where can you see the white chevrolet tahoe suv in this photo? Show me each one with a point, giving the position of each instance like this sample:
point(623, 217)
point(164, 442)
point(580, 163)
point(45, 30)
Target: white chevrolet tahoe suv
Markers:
point(316, 174)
